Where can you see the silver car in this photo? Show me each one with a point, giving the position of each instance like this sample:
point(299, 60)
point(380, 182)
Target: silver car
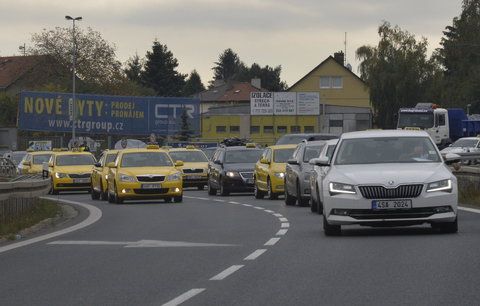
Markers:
point(464, 145)
point(297, 173)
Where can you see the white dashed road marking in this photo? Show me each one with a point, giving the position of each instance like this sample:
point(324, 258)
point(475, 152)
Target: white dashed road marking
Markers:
point(278, 215)
point(184, 297)
point(272, 241)
point(283, 219)
point(232, 202)
point(216, 200)
point(269, 211)
point(247, 205)
point(285, 225)
point(225, 273)
point(258, 207)
point(282, 232)
point(255, 254)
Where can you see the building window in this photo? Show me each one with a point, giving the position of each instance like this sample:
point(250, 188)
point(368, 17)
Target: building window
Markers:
point(221, 129)
point(325, 82)
point(254, 129)
point(308, 129)
point(268, 129)
point(282, 129)
point(337, 82)
point(295, 129)
point(235, 129)
point(336, 123)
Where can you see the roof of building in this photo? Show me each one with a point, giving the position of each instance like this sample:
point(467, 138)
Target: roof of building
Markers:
point(231, 91)
point(14, 67)
point(242, 109)
point(330, 58)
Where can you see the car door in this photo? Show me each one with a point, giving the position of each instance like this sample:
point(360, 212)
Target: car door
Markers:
point(291, 171)
point(324, 170)
point(215, 168)
point(97, 173)
point(264, 169)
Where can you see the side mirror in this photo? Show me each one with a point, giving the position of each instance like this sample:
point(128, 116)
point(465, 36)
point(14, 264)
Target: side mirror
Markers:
point(111, 165)
point(452, 158)
point(218, 162)
point(98, 165)
point(264, 161)
point(321, 161)
point(27, 163)
point(178, 163)
point(292, 162)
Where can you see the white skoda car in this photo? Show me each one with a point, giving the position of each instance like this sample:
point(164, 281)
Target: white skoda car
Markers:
point(388, 178)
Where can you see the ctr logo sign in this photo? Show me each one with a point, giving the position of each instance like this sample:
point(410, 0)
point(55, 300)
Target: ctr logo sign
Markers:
point(165, 111)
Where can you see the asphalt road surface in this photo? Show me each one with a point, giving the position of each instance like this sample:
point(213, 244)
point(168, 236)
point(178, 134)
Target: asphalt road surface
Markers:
point(237, 251)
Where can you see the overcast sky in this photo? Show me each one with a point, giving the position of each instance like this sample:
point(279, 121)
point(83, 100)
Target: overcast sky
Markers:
point(295, 34)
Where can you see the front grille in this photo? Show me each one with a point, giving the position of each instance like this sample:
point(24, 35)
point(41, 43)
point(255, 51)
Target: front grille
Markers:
point(246, 175)
point(152, 178)
point(380, 192)
point(192, 170)
point(79, 175)
point(73, 185)
point(369, 214)
point(151, 191)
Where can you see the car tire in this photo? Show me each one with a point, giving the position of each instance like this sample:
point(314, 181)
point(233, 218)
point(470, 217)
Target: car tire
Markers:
point(104, 196)
point(178, 199)
point(289, 199)
point(110, 197)
point(94, 195)
point(211, 191)
point(257, 193)
point(319, 203)
point(271, 195)
point(301, 201)
point(313, 204)
point(331, 230)
point(117, 199)
point(447, 227)
point(223, 191)
point(201, 187)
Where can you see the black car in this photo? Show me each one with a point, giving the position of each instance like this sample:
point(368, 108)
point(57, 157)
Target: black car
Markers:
point(231, 169)
point(298, 138)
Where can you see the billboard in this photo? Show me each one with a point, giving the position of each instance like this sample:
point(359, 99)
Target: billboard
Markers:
point(101, 114)
point(308, 103)
point(285, 103)
point(261, 103)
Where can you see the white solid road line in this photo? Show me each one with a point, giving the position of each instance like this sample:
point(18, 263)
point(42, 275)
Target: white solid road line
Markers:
point(269, 211)
point(285, 225)
point(255, 254)
point(184, 297)
point(272, 241)
point(225, 273)
point(258, 207)
point(283, 219)
point(473, 210)
point(282, 232)
point(94, 216)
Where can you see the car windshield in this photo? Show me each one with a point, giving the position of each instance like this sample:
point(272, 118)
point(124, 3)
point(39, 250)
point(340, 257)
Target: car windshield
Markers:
point(312, 152)
point(420, 120)
point(146, 159)
point(189, 156)
point(41, 158)
point(386, 150)
point(282, 155)
point(110, 158)
point(465, 143)
point(242, 156)
point(75, 160)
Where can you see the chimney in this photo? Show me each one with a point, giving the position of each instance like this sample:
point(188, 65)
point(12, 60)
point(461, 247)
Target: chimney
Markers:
point(256, 83)
point(339, 57)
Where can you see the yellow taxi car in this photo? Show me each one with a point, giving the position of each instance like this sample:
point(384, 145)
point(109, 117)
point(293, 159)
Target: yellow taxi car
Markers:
point(33, 162)
point(147, 173)
point(195, 166)
point(99, 186)
point(269, 171)
point(70, 170)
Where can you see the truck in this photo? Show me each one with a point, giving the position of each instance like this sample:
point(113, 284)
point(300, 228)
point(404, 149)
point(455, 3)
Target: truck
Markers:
point(443, 125)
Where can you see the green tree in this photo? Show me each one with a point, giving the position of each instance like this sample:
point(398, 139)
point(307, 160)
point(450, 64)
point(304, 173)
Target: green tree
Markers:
point(269, 76)
point(193, 84)
point(134, 68)
point(185, 131)
point(228, 66)
point(160, 72)
point(8, 110)
point(397, 72)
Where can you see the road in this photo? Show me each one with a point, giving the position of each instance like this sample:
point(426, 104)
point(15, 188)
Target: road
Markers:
point(239, 251)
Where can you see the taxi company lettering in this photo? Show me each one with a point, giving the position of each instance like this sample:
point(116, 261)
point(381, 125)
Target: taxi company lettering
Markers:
point(53, 106)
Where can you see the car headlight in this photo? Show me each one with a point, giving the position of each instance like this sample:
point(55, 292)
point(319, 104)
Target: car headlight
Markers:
point(231, 174)
point(126, 178)
point(106, 176)
point(60, 175)
point(279, 174)
point(443, 185)
point(174, 177)
point(337, 188)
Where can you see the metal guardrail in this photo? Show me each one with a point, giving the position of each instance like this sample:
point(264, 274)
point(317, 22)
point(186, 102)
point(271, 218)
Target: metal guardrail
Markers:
point(7, 168)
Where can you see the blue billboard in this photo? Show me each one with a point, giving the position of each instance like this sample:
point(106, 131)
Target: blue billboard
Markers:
point(101, 114)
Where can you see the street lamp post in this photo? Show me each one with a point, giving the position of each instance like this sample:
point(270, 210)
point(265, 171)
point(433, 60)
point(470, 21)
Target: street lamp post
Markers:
point(73, 19)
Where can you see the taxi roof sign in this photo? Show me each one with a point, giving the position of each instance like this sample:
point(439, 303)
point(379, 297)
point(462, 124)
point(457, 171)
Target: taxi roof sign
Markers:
point(251, 145)
point(152, 147)
point(190, 147)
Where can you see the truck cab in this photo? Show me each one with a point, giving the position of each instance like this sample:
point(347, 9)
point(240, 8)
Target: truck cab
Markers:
point(427, 117)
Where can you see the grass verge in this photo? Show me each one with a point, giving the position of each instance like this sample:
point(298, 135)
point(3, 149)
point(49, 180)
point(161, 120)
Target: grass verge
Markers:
point(44, 210)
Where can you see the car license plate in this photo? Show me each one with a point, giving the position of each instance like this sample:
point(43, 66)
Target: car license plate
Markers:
point(81, 180)
point(151, 186)
point(193, 177)
point(391, 204)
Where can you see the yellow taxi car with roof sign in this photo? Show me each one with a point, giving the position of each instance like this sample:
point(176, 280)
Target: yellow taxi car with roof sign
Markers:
point(99, 188)
point(195, 166)
point(33, 162)
point(269, 171)
point(70, 170)
point(147, 173)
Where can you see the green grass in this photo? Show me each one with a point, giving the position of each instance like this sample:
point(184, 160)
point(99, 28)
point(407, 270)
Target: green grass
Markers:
point(44, 210)
point(470, 196)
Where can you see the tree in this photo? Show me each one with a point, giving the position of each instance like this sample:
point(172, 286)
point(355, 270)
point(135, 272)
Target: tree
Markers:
point(460, 57)
point(96, 62)
point(134, 68)
point(228, 66)
point(8, 110)
point(397, 72)
point(185, 132)
point(160, 72)
point(193, 84)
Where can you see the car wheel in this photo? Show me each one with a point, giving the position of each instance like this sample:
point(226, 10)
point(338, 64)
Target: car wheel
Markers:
point(201, 187)
point(331, 230)
point(289, 199)
point(313, 204)
point(168, 200)
point(257, 192)
point(178, 199)
point(104, 196)
point(447, 227)
point(94, 195)
point(301, 201)
point(111, 199)
point(223, 191)
point(271, 195)
point(319, 203)
point(118, 200)
point(211, 190)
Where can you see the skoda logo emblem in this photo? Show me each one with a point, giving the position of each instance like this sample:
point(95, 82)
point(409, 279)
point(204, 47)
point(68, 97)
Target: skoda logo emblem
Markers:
point(391, 183)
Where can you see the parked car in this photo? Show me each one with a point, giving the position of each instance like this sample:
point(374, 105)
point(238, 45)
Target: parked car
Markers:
point(269, 172)
point(464, 145)
point(195, 166)
point(297, 172)
point(298, 138)
point(388, 178)
point(318, 173)
point(231, 169)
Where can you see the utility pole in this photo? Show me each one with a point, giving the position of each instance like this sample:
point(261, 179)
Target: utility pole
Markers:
point(23, 49)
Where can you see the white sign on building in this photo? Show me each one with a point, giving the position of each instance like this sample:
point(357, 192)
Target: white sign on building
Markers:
point(308, 103)
point(261, 103)
point(285, 103)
